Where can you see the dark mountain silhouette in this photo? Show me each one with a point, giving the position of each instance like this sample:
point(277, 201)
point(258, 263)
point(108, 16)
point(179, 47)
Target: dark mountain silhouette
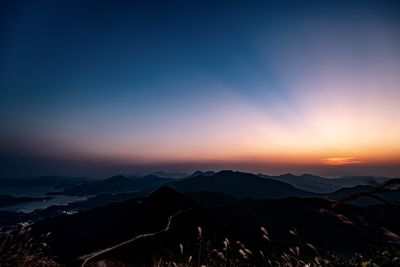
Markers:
point(116, 184)
point(317, 184)
point(163, 174)
point(344, 192)
point(239, 184)
point(198, 173)
point(316, 220)
point(137, 231)
point(351, 181)
point(87, 232)
point(102, 199)
point(307, 182)
point(234, 183)
point(393, 196)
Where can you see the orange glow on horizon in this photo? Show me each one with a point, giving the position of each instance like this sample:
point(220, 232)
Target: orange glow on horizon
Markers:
point(341, 161)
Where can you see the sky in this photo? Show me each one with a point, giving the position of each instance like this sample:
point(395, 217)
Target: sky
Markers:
point(98, 88)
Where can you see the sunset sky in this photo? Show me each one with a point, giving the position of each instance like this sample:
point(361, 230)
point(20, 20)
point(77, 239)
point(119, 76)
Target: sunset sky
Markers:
point(99, 88)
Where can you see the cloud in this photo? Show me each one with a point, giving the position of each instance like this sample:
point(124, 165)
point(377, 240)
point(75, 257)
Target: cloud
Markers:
point(341, 161)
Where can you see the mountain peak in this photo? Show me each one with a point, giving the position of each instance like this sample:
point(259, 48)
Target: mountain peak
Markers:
point(289, 174)
point(198, 173)
point(226, 172)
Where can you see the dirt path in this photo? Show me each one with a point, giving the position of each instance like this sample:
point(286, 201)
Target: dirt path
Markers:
point(86, 258)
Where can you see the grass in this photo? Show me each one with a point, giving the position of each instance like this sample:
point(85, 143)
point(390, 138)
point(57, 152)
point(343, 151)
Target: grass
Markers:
point(19, 249)
point(236, 254)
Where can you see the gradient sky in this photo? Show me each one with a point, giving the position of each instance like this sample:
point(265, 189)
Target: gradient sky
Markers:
point(106, 87)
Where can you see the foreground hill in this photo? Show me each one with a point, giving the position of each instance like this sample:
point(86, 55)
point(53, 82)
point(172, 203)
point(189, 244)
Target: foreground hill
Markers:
point(164, 225)
point(87, 232)
point(342, 228)
point(375, 197)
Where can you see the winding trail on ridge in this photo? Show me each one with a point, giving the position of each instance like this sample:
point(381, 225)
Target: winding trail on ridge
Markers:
point(86, 258)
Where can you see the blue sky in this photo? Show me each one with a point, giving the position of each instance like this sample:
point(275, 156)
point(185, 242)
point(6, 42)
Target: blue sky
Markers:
point(221, 84)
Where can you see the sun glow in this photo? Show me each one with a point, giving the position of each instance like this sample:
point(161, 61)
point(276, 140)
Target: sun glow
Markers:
point(340, 161)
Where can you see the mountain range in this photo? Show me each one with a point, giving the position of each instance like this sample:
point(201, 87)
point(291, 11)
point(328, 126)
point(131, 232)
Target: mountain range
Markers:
point(164, 225)
point(140, 220)
point(237, 184)
point(317, 184)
